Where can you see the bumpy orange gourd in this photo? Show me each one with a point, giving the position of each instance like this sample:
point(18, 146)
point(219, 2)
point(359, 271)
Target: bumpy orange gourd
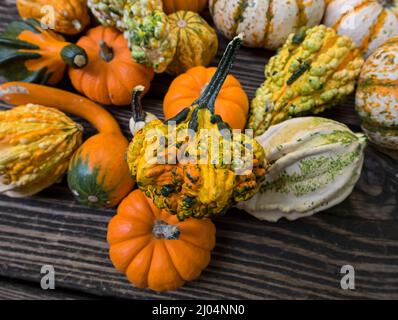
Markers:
point(66, 16)
point(154, 249)
point(111, 73)
point(170, 6)
point(232, 104)
point(98, 174)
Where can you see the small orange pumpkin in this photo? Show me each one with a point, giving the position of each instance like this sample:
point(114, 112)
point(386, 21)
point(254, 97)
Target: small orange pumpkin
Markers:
point(111, 74)
point(232, 104)
point(171, 6)
point(154, 249)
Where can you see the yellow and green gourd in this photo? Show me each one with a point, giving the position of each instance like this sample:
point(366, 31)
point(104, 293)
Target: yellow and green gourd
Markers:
point(182, 185)
point(36, 144)
point(314, 70)
point(197, 42)
point(377, 97)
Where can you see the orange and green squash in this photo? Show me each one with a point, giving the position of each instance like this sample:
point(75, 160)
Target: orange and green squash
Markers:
point(169, 162)
point(31, 54)
point(111, 74)
point(64, 16)
point(98, 175)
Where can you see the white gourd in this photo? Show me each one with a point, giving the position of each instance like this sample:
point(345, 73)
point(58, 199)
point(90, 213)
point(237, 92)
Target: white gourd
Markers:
point(314, 165)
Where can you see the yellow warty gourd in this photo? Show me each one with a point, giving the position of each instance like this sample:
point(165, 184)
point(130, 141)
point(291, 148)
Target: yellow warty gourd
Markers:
point(36, 144)
point(315, 69)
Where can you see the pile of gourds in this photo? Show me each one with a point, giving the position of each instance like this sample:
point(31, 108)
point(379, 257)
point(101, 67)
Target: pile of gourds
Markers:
point(162, 234)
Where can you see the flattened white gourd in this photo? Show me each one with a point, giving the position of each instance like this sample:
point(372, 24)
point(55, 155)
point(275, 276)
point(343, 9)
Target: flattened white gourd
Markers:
point(314, 165)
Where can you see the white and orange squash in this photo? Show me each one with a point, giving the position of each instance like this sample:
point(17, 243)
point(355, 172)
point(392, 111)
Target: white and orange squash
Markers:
point(377, 97)
point(368, 22)
point(266, 23)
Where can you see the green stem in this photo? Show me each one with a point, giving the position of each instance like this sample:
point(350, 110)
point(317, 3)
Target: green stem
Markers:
point(210, 94)
point(163, 230)
point(106, 53)
point(136, 106)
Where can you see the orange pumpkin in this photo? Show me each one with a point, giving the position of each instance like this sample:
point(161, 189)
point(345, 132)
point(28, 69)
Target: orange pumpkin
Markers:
point(171, 6)
point(154, 249)
point(68, 16)
point(111, 74)
point(232, 104)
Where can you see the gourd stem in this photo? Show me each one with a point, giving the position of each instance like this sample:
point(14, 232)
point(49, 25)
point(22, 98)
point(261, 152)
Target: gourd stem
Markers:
point(163, 230)
point(210, 94)
point(136, 106)
point(106, 53)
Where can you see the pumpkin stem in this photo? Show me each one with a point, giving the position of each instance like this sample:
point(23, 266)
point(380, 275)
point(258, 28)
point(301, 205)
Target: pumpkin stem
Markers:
point(163, 230)
point(211, 92)
point(106, 53)
point(136, 106)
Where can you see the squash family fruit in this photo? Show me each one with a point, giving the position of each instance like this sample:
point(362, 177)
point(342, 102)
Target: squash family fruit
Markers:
point(314, 165)
point(111, 73)
point(148, 34)
point(98, 174)
point(180, 167)
point(171, 6)
point(314, 70)
point(377, 96)
point(31, 54)
point(232, 103)
point(197, 42)
point(108, 12)
point(154, 249)
point(266, 23)
point(66, 16)
point(36, 144)
point(369, 22)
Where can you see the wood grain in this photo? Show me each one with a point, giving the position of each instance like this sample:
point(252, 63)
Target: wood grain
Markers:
point(252, 259)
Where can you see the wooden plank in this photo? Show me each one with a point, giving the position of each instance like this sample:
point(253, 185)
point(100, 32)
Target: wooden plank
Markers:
point(17, 290)
point(252, 259)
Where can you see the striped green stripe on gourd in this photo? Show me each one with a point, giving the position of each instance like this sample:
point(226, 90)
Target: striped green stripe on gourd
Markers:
point(314, 165)
point(197, 42)
point(377, 96)
point(266, 23)
point(368, 22)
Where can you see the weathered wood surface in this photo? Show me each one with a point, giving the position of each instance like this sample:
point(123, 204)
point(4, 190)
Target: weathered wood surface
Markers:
point(17, 290)
point(252, 259)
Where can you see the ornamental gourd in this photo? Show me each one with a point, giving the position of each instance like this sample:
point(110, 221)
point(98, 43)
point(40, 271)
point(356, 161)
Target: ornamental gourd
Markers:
point(183, 170)
point(148, 32)
point(36, 144)
point(31, 54)
point(232, 103)
point(314, 70)
point(369, 23)
point(197, 42)
point(111, 74)
point(266, 23)
point(377, 97)
point(153, 248)
point(98, 175)
point(66, 16)
point(314, 165)
point(171, 6)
